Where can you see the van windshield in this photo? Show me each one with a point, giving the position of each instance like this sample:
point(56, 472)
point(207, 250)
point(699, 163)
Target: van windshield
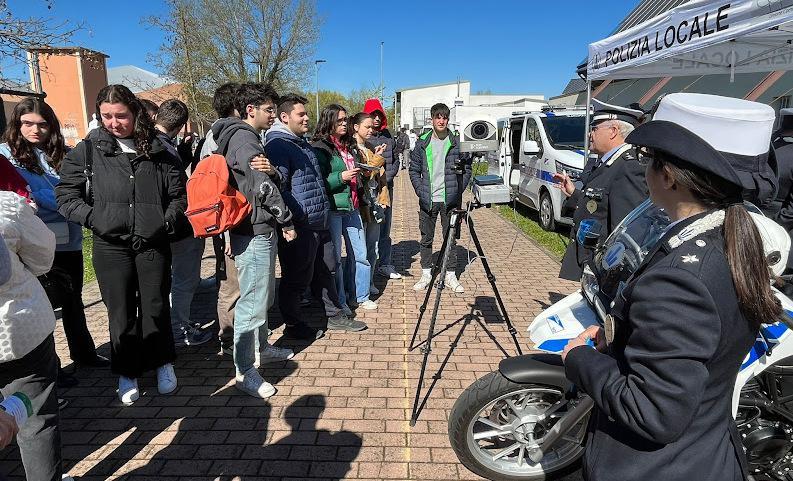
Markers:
point(565, 132)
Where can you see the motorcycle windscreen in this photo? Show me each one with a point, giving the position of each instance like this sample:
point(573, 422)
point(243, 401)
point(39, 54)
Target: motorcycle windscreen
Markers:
point(626, 247)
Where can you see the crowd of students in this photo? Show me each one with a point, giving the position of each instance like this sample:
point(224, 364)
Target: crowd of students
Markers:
point(125, 183)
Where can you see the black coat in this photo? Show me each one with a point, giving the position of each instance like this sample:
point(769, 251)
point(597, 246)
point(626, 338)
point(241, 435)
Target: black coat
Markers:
point(389, 154)
point(781, 161)
point(140, 200)
point(663, 391)
point(609, 193)
point(420, 174)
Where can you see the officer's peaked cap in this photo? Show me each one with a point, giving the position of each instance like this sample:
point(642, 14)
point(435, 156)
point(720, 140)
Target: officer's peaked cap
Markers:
point(602, 111)
point(684, 145)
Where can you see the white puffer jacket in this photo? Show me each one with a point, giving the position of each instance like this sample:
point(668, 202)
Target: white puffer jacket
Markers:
point(26, 316)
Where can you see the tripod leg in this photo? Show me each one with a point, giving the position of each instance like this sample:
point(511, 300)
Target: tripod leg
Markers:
point(492, 280)
point(435, 271)
point(449, 245)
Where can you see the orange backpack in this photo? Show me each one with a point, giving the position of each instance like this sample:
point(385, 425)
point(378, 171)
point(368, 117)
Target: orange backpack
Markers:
point(213, 204)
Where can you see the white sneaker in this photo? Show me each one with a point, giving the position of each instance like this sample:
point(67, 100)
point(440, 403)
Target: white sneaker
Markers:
point(452, 283)
point(424, 281)
point(369, 305)
point(253, 384)
point(389, 272)
point(274, 354)
point(166, 379)
point(373, 291)
point(128, 390)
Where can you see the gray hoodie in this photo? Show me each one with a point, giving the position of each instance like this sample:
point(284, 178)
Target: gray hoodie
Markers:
point(238, 142)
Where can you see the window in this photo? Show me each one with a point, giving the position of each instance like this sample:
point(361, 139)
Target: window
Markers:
point(532, 132)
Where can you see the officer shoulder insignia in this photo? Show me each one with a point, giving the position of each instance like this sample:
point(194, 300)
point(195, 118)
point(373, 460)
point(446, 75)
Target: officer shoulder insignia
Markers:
point(690, 259)
point(704, 224)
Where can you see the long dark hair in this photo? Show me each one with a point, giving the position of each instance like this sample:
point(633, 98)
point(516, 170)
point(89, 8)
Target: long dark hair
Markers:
point(743, 244)
point(143, 130)
point(326, 125)
point(21, 149)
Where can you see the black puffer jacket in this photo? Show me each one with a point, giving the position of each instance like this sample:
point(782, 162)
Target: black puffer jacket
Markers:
point(389, 154)
point(135, 199)
point(420, 174)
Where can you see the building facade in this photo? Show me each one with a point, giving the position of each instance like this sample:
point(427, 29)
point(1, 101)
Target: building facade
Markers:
point(413, 103)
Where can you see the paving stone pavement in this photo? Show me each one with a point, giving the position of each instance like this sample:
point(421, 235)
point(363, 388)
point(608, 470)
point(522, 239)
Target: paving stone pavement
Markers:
point(343, 402)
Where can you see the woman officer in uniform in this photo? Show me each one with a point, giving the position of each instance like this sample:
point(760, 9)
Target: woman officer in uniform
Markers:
point(683, 323)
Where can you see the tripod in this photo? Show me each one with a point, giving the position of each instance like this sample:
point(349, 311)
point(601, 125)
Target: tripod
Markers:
point(439, 269)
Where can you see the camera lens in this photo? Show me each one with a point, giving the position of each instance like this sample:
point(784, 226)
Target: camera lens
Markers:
point(479, 130)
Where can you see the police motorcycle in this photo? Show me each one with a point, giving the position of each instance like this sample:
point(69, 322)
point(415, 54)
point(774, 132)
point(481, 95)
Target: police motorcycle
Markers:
point(526, 421)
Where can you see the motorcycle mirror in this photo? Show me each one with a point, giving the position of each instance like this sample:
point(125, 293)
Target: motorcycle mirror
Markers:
point(588, 233)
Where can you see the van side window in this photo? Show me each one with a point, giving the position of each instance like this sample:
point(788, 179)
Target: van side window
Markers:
point(533, 132)
point(515, 129)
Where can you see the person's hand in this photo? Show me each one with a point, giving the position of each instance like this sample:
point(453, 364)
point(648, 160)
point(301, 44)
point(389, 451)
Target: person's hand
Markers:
point(289, 234)
point(262, 164)
point(8, 429)
point(188, 139)
point(350, 174)
point(379, 149)
point(227, 251)
point(564, 183)
point(595, 333)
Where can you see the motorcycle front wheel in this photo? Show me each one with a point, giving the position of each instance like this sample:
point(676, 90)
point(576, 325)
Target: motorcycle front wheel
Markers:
point(495, 422)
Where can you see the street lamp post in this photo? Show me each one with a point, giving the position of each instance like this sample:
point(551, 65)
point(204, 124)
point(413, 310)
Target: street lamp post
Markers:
point(258, 64)
point(316, 72)
point(381, 72)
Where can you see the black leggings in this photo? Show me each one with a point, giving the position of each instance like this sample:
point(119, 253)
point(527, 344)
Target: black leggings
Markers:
point(135, 287)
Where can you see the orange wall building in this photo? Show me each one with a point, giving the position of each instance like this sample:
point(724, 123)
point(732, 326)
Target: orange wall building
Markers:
point(71, 77)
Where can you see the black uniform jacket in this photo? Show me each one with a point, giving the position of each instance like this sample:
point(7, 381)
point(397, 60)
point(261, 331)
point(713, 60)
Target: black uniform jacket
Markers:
point(781, 159)
point(609, 193)
point(139, 200)
point(663, 391)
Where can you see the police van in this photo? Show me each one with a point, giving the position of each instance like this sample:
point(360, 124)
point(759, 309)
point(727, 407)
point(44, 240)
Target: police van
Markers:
point(535, 145)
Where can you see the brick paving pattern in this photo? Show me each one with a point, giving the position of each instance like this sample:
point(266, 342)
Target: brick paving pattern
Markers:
point(343, 402)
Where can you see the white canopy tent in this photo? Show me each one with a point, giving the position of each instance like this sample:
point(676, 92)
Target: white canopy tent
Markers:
point(701, 37)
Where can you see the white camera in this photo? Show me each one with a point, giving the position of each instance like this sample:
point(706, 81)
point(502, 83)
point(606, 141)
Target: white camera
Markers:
point(479, 136)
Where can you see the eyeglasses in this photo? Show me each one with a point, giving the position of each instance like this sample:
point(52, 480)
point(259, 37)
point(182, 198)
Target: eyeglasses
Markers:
point(599, 126)
point(40, 125)
point(269, 110)
point(341, 121)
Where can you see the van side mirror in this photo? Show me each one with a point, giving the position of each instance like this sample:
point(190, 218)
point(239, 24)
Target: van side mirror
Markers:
point(588, 233)
point(531, 147)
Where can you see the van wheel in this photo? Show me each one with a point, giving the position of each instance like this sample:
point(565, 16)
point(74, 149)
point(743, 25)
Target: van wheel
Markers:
point(547, 221)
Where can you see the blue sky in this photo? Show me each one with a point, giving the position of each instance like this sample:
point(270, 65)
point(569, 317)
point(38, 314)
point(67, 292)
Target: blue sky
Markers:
point(510, 46)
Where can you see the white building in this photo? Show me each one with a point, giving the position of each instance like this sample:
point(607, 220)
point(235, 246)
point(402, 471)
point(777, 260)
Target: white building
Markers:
point(413, 103)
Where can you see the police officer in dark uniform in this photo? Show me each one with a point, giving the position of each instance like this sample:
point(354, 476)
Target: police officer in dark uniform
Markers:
point(663, 373)
point(610, 187)
point(781, 162)
point(780, 208)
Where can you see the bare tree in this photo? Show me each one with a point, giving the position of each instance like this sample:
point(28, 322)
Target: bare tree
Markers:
point(208, 43)
point(17, 34)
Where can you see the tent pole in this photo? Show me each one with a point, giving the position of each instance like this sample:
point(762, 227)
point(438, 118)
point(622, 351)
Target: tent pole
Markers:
point(586, 120)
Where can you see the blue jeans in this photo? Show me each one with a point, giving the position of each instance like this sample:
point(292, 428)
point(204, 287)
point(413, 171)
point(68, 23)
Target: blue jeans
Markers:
point(348, 225)
point(384, 246)
point(255, 261)
point(372, 244)
point(186, 257)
